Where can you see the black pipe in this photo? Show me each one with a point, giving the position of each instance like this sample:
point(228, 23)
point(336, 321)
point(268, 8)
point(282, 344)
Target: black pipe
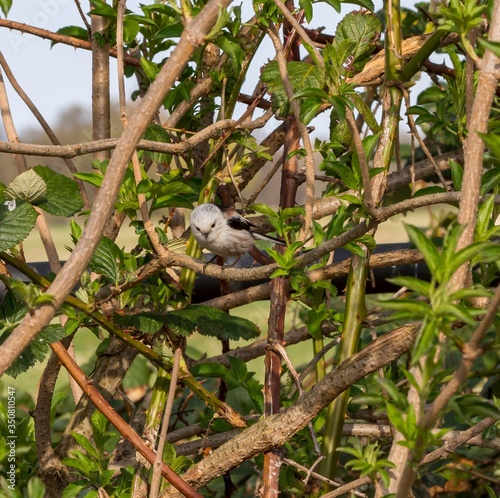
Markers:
point(209, 288)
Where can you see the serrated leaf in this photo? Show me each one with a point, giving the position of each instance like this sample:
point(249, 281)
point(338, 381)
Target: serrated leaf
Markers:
point(62, 197)
point(38, 348)
point(107, 260)
point(302, 75)
point(238, 373)
point(212, 322)
point(28, 187)
point(363, 29)
point(100, 430)
point(16, 224)
point(146, 322)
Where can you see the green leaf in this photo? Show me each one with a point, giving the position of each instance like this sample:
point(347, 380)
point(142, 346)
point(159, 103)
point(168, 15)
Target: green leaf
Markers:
point(209, 369)
point(74, 489)
point(493, 46)
point(414, 284)
point(425, 246)
point(151, 69)
point(335, 4)
point(302, 75)
point(148, 322)
point(28, 187)
point(82, 463)
point(157, 133)
point(11, 313)
point(233, 50)
point(107, 260)
point(362, 29)
point(101, 8)
point(36, 488)
point(85, 444)
point(94, 179)
point(485, 219)
point(492, 141)
point(15, 224)
point(366, 4)
point(469, 406)
point(100, 431)
point(5, 5)
point(62, 197)
point(427, 337)
point(457, 173)
point(237, 374)
point(74, 31)
point(490, 180)
point(130, 29)
point(212, 322)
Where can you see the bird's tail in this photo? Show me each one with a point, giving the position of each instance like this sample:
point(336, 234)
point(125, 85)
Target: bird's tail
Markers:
point(269, 238)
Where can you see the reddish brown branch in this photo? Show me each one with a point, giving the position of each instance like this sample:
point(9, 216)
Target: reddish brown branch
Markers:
point(65, 39)
point(125, 430)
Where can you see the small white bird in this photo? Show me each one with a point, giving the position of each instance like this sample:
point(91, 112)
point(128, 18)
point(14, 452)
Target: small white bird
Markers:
point(226, 233)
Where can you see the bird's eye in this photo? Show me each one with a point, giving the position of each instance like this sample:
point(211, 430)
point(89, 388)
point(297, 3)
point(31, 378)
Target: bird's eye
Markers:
point(213, 224)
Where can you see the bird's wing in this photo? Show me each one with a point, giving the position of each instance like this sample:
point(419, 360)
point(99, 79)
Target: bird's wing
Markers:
point(237, 222)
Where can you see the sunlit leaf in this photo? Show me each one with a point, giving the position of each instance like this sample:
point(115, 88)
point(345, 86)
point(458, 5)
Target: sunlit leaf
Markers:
point(28, 187)
point(15, 224)
point(62, 197)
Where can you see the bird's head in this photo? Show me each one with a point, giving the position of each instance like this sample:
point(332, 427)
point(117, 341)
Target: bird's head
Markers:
point(207, 222)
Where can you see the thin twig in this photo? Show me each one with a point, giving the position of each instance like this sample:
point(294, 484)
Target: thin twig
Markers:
point(416, 134)
point(65, 39)
point(278, 348)
point(83, 16)
point(318, 476)
point(363, 164)
point(157, 465)
point(304, 134)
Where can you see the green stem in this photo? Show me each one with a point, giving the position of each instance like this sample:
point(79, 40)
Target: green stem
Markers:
point(152, 425)
point(318, 339)
point(414, 64)
point(393, 44)
point(355, 314)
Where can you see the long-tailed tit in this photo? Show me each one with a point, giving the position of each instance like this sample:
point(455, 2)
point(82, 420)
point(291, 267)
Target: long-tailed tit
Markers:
point(226, 233)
